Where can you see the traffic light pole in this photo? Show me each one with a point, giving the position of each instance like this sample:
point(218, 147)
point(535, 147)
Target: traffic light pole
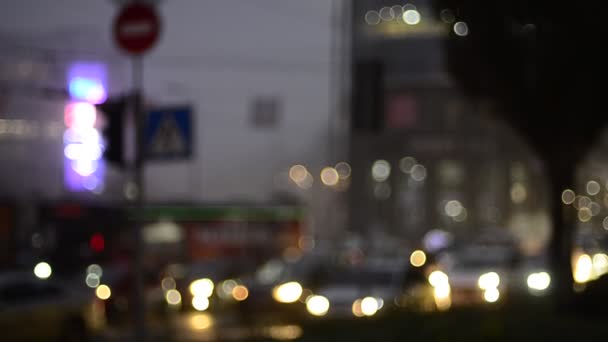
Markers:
point(138, 181)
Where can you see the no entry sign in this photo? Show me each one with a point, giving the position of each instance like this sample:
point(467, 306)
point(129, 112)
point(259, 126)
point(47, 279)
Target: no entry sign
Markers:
point(136, 28)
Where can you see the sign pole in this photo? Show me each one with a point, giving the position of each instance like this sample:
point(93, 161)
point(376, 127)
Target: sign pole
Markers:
point(138, 180)
point(136, 30)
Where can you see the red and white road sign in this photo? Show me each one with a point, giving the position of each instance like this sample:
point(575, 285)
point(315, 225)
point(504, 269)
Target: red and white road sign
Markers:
point(136, 28)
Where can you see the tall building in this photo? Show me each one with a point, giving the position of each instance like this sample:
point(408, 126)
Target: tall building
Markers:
point(423, 155)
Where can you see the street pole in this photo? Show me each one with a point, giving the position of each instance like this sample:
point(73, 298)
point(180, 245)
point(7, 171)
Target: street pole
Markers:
point(138, 181)
point(136, 30)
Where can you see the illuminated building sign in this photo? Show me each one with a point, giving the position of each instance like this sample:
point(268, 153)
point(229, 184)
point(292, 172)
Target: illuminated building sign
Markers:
point(83, 146)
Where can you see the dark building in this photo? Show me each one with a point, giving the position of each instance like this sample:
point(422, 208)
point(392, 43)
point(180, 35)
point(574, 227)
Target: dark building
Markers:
point(423, 155)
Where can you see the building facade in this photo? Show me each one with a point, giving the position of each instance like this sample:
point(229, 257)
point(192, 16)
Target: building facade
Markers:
point(424, 156)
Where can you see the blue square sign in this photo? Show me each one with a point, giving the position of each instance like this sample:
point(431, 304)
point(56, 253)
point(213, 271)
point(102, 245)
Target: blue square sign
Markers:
point(168, 133)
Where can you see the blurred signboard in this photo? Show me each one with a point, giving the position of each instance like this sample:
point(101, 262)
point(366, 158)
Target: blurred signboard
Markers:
point(227, 231)
point(265, 112)
point(168, 134)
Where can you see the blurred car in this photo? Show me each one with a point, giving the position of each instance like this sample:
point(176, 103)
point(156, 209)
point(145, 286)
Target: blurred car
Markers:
point(475, 274)
point(359, 291)
point(532, 276)
point(205, 285)
point(278, 287)
point(32, 309)
point(324, 286)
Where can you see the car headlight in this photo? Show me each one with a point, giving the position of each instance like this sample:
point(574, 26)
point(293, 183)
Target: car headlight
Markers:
point(288, 292)
point(583, 269)
point(369, 306)
point(491, 295)
point(438, 278)
point(539, 281)
point(202, 287)
point(442, 291)
point(200, 303)
point(489, 280)
point(317, 305)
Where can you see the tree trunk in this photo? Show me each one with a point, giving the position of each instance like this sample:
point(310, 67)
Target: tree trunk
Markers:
point(560, 248)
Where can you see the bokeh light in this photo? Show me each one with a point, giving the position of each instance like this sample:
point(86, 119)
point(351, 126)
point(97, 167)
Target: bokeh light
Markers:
point(317, 305)
point(406, 164)
point(387, 13)
point(453, 208)
point(168, 283)
point(92, 280)
point(568, 196)
point(518, 193)
point(583, 269)
point(225, 288)
point(372, 18)
point(103, 292)
point(344, 170)
point(593, 188)
point(173, 297)
point(539, 281)
point(584, 214)
point(240, 293)
point(418, 173)
point(80, 115)
point(369, 306)
point(462, 216)
point(89, 90)
point(329, 176)
point(356, 308)
point(202, 287)
point(411, 17)
point(491, 295)
point(381, 170)
point(461, 29)
point(288, 292)
point(95, 269)
point(488, 280)
point(438, 278)
point(418, 258)
point(600, 264)
point(583, 202)
point(200, 303)
point(43, 270)
point(298, 173)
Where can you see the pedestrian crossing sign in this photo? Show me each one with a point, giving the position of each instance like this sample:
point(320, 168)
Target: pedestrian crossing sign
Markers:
point(168, 134)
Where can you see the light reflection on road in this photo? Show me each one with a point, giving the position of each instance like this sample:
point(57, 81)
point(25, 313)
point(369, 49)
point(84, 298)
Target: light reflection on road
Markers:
point(205, 327)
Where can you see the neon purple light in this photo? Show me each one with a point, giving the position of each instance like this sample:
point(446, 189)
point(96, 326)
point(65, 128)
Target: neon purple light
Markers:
point(84, 167)
point(89, 90)
point(83, 145)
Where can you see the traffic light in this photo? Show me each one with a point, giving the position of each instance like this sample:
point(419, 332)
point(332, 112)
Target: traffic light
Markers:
point(114, 111)
point(97, 242)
